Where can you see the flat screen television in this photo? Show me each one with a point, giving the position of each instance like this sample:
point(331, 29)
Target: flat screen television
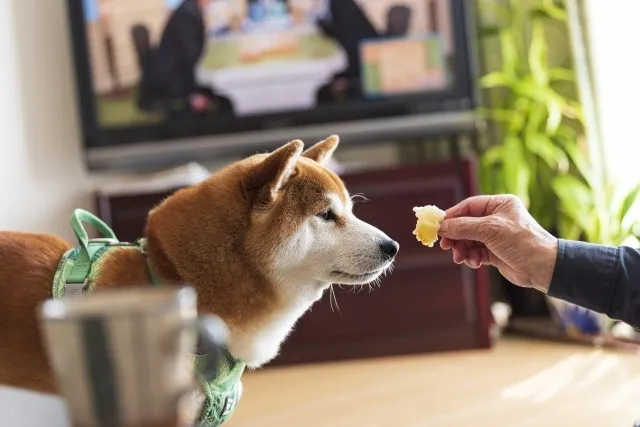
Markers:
point(167, 81)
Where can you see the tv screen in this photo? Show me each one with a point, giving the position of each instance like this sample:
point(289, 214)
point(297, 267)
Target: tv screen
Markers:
point(154, 70)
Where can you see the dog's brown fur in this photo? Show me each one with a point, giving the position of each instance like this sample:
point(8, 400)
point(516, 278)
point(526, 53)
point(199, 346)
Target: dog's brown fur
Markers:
point(192, 238)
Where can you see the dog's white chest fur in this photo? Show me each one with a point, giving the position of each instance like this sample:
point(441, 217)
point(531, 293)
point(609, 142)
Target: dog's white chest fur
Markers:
point(259, 346)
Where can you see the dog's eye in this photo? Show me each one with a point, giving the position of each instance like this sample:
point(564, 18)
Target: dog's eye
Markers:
point(327, 215)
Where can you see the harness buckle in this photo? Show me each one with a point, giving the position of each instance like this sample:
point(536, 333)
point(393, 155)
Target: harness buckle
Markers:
point(74, 290)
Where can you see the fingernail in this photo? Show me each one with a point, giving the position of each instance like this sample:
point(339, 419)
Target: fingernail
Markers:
point(443, 227)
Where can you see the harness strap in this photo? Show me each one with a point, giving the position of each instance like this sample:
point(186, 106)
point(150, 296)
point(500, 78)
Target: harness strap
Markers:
point(75, 277)
point(220, 382)
point(88, 248)
point(142, 244)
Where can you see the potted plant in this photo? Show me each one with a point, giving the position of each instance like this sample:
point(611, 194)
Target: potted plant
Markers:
point(539, 153)
point(532, 110)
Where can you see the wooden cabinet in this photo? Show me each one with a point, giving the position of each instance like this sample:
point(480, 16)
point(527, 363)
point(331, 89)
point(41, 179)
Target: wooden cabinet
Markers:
point(427, 304)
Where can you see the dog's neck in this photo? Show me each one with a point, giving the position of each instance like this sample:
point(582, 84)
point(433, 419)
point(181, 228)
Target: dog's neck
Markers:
point(260, 342)
point(258, 322)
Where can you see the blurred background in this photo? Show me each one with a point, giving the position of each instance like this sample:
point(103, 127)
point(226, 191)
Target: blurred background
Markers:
point(110, 105)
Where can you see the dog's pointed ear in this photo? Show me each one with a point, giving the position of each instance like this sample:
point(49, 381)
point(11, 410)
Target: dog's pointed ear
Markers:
point(323, 150)
point(274, 171)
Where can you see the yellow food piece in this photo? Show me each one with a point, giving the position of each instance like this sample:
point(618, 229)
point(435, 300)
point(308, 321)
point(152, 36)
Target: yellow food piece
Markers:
point(429, 219)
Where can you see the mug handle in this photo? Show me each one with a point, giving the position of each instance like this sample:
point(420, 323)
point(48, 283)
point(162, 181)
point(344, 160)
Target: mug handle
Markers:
point(212, 339)
point(212, 336)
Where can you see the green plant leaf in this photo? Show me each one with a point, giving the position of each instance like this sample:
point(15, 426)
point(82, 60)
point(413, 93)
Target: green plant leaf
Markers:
point(632, 240)
point(568, 133)
point(541, 93)
point(628, 202)
point(487, 31)
point(538, 52)
point(492, 7)
point(491, 178)
point(568, 187)
point(516, 170)
point(542, 146)
point(554, 119)
point(536, 115)
point(493, 155)
point(524, 105)
point(513, 120)
point(495, 79)
point(528, 111)
point(550, 11)
point(499, 115)
point(509, 51)
point(573, 110)
point(488, 177)
point(568, 229)
point(562, 75)
point(576, 200)
point(578, 158)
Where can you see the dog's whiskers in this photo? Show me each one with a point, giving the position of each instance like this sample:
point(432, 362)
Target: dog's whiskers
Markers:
point(357, 288)
point(358, 197)
point(333, 299)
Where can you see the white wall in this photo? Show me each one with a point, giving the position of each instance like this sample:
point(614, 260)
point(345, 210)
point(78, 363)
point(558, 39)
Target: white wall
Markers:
point(614, 32)
point(42, 177)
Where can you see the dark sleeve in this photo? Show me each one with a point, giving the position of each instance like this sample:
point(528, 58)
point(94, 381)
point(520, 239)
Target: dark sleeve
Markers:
point(189, 44)
point(327, 28)
point(601, 278)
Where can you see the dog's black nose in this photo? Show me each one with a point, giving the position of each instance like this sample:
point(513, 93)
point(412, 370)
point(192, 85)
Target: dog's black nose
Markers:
point(389, 248)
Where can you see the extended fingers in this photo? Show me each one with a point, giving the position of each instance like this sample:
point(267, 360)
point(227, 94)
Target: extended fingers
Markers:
point(477, 257)
point(473, 206)
point(446, 244)
point(465, 252)
point(459, 252)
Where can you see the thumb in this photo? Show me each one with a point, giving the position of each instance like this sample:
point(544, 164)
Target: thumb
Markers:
point(463, 228)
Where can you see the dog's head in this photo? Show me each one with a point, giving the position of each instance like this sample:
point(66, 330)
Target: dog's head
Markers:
point(266, 233)
point(302, 220)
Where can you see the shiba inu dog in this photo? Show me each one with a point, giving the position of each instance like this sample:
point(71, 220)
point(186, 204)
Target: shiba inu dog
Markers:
point(259, 241)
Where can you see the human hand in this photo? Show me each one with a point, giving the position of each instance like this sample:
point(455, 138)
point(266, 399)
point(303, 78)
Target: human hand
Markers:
point(499, 231)
point(340, 84)
point(199, 102)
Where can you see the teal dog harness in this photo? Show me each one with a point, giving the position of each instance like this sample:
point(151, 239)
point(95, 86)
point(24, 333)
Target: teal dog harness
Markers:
point(74, 278)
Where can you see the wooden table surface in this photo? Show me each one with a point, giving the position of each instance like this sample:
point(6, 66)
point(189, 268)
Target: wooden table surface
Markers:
point(518, 383)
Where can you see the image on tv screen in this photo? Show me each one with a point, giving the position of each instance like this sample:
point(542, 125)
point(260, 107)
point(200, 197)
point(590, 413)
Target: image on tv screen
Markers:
point(156, 60)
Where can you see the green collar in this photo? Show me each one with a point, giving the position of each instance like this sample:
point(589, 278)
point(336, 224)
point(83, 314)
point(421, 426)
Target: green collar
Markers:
point(73, 278)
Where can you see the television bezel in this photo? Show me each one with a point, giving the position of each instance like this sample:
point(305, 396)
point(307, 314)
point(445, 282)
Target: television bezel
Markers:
point(242, 135)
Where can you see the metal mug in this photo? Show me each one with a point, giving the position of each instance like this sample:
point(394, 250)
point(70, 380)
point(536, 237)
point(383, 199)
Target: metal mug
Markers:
point(125, 358)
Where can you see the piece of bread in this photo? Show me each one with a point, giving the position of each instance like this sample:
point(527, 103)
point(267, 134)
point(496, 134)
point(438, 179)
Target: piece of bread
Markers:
point(429, 219)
